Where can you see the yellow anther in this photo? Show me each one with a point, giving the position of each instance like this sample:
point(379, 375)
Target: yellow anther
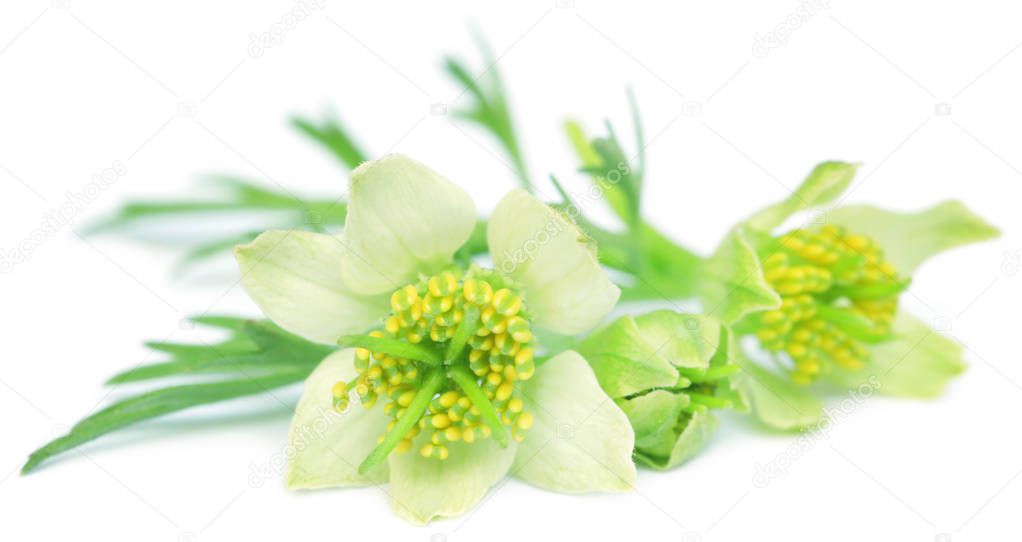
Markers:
point(477, 291)
point(857, 243)
point(797, 350)
point(524, 420)
point(443, 284)
point(506, 302)
point(504, 390)
point(494, 379)
point(812, 252)
point(493, 320)
point(403, 446)
point(526, 370)
point(515, 405)
point(519, 329)
point(448, 399)
point(523, 356)
point(510, 372)
point(426, 450)
point(405, 398)
point(404, 298)
point(452, 434)
point(440, 421)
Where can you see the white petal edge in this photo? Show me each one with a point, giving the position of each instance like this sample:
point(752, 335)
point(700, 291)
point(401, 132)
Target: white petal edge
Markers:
point(565, 288)
point(325, 446)
point(422, 489)
point(580, 441)
point(403, 219)
point(295, 279)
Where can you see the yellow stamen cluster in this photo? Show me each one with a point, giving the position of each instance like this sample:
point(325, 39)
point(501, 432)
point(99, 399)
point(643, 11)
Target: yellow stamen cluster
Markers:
point(499, 354)
point(829, 267)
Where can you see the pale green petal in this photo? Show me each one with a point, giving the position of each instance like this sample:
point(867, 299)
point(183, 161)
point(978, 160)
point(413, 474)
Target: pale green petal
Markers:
point(918, 365)
point(422, 489)
point(566, 290)
point(624, 362)
point(684, 340)
point(733, 284)
point(775, 400)
point(326, 446)
point(403, 219)
point(581, 441)
point(295, 278)
point(908, 239)
point(824, 184)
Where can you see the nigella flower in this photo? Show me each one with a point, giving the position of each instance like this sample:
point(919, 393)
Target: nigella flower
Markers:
point(823, 299)
point(446, 390)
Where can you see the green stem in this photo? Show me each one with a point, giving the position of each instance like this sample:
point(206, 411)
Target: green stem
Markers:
point(857, 326)
point(706, 375)
point(393, 347)
point(872, 291)
point(468, 327)
point(430, 385)
point(709, 401)
point(467, 382)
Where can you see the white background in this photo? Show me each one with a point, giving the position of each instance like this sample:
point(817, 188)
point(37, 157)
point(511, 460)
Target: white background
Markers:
point(85, 86)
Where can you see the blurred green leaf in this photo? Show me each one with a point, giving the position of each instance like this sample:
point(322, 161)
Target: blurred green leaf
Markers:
point(332, 135)
point(489, 108)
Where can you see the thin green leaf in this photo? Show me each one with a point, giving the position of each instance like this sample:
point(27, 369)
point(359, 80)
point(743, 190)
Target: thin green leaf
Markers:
point(154, 404)
point(490, 109)
point(332, 135)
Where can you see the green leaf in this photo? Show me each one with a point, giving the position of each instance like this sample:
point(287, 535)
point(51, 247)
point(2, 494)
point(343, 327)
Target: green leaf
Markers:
point(917, 365)
point(610, 170)
point(490, 109)
point(909, 239)
point(774, 399)
point(255, 357)
point(824, 184)
point(331, 134)
point(154, 404)
point(732, 284)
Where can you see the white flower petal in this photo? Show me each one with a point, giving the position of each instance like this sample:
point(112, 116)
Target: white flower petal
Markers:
point(295, 278)
point(422, 488)
point(565, 288)
point(327, 445)
point(403, 219)
point(580, 440)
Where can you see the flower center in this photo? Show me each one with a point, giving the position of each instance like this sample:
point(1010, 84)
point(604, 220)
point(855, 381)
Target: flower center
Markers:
point(838, 293)
point(475, 332)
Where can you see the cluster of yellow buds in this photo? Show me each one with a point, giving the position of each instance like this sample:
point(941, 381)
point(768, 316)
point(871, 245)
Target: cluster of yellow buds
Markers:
point(838, 292)
point(498, 355)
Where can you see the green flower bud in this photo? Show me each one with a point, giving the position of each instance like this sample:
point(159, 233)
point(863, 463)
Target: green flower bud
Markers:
point(666, 371)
